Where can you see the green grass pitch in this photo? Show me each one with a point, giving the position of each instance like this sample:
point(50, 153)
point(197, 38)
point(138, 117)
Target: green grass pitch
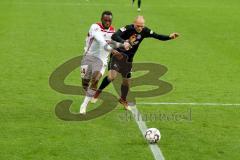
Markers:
point(203, 67)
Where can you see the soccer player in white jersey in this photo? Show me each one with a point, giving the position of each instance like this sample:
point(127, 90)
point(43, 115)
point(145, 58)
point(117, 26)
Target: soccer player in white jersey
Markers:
point(98, 47)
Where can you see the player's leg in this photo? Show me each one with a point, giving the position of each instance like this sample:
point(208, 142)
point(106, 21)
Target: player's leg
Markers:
point(133, 2)
point(93, 73)
point(112, 74)
point(94, 83)
point(90, 91)
point(124, 92)
point(139, 5)
point(85, 84)
point(126, 75)
point(85, 74)
point(125, 88)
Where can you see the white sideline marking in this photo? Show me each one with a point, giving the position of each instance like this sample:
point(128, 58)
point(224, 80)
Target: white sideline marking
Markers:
point(190, 104)
point(66, 4)
point(157, 153)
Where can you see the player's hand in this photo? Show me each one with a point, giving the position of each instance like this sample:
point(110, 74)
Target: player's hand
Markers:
point(118, 55)
point(127, 45)
point(174, 35)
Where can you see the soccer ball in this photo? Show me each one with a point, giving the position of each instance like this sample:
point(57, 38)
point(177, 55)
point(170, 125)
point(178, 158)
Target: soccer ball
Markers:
point(152, 135)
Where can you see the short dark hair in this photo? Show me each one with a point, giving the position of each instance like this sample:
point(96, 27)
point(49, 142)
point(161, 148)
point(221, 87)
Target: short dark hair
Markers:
point(107, 13)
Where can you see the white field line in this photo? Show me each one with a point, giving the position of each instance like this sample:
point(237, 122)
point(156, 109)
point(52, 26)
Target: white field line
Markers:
point(90, 3)
point(67, 4)
point(189, 104)
point(157, 153)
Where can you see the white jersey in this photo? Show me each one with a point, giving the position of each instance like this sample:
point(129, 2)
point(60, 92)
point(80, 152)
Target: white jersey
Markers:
point(96, 41)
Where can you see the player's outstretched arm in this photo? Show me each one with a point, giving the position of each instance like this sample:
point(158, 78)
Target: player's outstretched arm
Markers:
point(174, 35)
point(116, 45)
point(161, 37)
point(164, 37)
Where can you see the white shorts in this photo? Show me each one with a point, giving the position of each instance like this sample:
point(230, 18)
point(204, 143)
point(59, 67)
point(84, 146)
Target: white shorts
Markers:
point(91, 64)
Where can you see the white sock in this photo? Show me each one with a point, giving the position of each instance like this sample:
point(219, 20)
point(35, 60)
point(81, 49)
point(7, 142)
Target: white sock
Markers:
point(86, 100)
point(83, 107)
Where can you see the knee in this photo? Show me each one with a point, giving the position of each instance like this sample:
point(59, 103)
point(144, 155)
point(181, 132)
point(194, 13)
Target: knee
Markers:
point(125, 82)
point(111, 78)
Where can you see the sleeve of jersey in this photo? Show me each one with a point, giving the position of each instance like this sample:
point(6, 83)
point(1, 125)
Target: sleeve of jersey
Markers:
point(95, 31)
point(117, 35)
point(116, 45)
point(150, 33)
